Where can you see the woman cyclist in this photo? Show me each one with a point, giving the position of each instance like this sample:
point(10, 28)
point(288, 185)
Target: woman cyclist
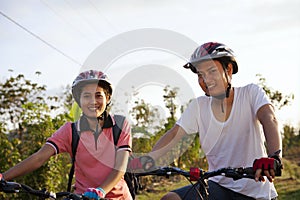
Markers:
point(99, 166)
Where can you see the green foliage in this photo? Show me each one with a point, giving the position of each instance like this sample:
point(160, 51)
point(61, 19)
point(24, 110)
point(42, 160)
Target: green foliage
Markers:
point(277, 98)
point(291, 144)
point(191, 149)
point(142, 145)
point(20, 98)
point(170, 99)
point(288, 185)
point(189, 146)
point(9, 155)
point(26, 123)
point(75, 111)
point(144, 115)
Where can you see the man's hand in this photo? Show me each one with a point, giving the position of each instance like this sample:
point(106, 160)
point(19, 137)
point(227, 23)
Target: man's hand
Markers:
point(269, 167)
point(143, 162)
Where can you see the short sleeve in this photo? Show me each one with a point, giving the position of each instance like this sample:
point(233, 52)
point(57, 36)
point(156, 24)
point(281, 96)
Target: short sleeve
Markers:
point(62, 138)
point(258, 97)
point(189, 118)
point(125, 140)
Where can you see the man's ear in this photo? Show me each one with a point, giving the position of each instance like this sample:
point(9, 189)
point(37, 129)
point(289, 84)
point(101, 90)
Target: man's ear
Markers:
point(108, 100)
point(229, 68)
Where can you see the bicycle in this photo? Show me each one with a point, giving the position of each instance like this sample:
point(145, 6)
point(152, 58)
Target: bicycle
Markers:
point(15, 187)
point(200, 176)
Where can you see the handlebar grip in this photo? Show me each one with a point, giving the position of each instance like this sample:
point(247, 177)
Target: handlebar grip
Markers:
point(239, 173)
point(10, 187)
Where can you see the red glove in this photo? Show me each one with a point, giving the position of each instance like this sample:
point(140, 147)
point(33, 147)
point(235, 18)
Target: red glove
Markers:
point(263, 163)
point(267, 164)
point(94, 193)
point(135, 164)
point(143, 162)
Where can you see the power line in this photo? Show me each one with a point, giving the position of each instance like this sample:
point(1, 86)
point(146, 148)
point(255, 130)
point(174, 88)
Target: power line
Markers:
point(65, 21)
point(41, 39)
point(103, 16)
point(78, 13)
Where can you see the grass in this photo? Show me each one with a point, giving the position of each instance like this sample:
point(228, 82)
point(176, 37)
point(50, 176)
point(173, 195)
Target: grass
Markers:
point(288, 185)
point(160, 186)
point(288, 189)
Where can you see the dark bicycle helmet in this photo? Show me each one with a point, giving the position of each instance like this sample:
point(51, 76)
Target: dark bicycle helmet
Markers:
point(90, 76)
point(211, 51)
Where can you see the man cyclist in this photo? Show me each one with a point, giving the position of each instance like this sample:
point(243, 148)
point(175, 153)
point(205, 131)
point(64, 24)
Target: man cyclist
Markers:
point(228, 120)
point(100, 165)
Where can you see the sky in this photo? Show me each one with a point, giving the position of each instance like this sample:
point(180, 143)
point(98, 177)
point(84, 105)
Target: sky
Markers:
point(146, 43)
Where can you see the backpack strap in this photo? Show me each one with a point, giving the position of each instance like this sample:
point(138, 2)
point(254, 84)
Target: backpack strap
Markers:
point(117, 128)
point(75, 140)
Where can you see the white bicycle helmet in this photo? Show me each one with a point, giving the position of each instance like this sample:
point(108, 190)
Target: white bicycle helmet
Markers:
point(86, 77)
point(211, 51)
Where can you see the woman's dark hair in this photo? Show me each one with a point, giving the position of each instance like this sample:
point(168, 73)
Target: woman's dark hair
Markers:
point(103, 84)
point(106, 87)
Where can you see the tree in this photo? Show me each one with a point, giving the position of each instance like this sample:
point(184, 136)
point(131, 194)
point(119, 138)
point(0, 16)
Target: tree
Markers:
point(21, 100)
point(144, 116)
point(291, 144)
point(278, 99)
point(143, 113)
point(188, 148)
point(26, 124)
point(170, 99)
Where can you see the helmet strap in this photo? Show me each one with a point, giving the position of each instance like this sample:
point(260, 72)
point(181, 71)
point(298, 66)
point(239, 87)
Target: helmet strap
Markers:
point(103, 116)
point(228, 83)
point(227, 92)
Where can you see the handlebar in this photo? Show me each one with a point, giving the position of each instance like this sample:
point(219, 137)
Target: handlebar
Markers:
point(14, 187)
point(196, 173)
point(234, 173)
point(165, 171)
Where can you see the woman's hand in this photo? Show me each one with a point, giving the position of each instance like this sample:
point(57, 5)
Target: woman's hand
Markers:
point(94, 193)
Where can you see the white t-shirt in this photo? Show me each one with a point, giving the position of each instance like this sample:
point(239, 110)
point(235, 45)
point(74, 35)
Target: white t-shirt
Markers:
point(237, 142)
